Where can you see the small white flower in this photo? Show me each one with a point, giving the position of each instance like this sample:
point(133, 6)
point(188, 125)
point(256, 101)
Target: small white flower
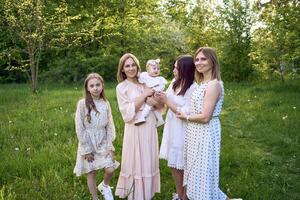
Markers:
point(248, 100)
point(17, 148)
point(42, 120)
point(28, 149)
point(60, 108)
point(284, 117)
point(254, 96)
point(294, 107)
point(10, 122)
point(55, 134)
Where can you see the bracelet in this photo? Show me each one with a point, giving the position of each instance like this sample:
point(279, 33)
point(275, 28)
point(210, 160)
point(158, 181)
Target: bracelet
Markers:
point(187, 118)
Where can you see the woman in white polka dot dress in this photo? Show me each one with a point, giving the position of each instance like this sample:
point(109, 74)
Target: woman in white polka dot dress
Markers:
point(203, 133)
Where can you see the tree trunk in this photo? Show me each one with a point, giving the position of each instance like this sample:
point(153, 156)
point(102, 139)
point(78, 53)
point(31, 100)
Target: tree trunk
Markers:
point(33, 71)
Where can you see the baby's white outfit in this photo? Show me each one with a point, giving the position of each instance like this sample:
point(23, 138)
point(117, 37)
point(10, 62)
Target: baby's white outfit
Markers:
point(158, 84)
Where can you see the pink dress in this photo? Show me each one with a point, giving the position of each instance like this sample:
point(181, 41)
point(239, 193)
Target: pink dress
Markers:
point(139, 176)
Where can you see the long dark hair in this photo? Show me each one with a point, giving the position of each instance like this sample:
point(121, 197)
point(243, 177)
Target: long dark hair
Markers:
point(186, 73)
point(89, 102)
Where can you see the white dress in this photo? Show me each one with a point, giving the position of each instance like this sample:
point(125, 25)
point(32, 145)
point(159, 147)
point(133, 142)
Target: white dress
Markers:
point(202, 151)
point(171, 148)
point(95, 137)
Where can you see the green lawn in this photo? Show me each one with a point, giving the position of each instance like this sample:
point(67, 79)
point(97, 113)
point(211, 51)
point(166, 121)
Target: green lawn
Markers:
point(259, 156)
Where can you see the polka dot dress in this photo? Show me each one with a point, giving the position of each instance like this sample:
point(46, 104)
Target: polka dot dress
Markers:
point(202, 151)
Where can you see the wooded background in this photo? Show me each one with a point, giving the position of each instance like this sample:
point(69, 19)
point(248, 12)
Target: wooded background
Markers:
point(64, 40)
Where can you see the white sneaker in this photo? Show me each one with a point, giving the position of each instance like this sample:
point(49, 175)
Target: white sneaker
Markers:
point(175, 197)
point(105, 191)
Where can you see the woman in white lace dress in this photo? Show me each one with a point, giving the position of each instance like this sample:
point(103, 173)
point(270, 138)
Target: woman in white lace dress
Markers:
point(95, 131)
point(177, 97)
point(203, 134)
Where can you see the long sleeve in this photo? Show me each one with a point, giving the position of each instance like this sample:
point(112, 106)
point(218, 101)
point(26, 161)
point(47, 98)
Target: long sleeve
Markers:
point(110, 129)
point(126, 106)
point(84, 141)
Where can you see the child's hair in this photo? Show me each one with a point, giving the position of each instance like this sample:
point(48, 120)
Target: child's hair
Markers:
point(152, 62)
point(186, 71)
point(89, 103)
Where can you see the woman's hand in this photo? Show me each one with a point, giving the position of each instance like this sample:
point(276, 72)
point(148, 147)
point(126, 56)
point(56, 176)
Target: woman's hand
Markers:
point(181, 115)
point(161, 97)
point(89, 157)
point(148, 92)
point(151, 101)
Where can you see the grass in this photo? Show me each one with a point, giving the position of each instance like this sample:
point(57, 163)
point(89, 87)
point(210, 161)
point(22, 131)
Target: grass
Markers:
point(259, 156)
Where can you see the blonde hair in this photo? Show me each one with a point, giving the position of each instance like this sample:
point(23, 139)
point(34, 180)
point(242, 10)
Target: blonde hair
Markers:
point(152, 62)
point(211, 55)
point(121, 76)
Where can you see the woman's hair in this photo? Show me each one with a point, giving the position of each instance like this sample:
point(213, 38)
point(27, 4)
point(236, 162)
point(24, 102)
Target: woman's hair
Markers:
point(211, 55)
point(186, 71)
point(121, 76)
point(89, 103)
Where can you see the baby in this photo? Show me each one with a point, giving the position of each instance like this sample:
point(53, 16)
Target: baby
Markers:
point(152, 80)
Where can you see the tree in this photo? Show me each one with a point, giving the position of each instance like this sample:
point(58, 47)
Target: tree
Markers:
point(235, 47)
point(277, 40)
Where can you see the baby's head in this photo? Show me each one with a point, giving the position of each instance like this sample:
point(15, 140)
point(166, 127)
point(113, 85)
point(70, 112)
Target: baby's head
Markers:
point(153, 68)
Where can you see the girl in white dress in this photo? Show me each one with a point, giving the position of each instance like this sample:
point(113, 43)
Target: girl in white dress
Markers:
point(203, 134)
point(177, 98)
point(95, 131)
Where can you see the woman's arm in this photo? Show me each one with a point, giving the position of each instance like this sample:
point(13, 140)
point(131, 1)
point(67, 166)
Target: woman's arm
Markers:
point(140, 100)
point(162, 97)
point(211, 97)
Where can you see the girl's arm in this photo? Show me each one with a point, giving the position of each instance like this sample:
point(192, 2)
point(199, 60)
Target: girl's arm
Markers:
point(211, 97)
point(83, 139)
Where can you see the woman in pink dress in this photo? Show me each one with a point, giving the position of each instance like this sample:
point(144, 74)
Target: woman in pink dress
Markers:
point(139, 176)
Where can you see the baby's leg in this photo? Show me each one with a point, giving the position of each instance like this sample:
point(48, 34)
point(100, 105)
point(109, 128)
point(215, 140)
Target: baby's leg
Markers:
point(160, 119)
point(142, 115)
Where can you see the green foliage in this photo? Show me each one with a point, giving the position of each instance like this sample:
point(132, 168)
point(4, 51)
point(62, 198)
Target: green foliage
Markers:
point(277, 40)
point(236, 40)
point(259, 155)
point(64, 40)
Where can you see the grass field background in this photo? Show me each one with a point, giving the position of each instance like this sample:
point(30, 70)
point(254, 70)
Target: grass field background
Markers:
point(259, 155)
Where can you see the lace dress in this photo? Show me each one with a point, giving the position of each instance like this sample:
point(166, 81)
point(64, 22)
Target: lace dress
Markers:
point(202, 151)
point(171, 148)
point(95, 137)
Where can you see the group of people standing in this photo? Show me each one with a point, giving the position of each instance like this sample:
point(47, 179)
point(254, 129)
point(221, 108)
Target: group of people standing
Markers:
point(191, 135)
